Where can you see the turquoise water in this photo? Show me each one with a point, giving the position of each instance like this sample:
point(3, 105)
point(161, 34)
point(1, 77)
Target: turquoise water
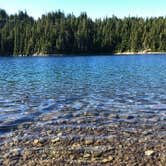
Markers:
point(110, 89)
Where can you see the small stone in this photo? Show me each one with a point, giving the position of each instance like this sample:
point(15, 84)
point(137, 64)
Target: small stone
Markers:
point(108, 159)
point(88, 141)
point(104, 161)
point(26, 155)
point(11, 144)
point(76, 146)
point(49, 132)
point(93, 159)
point(15, 152)
point(97, 153)
point(6, 162)
point(149, 152)
point(115, 116)
point(54, 152)
point(111, 148)
point(42, 141)
point(55, 140)
point(36, 141)
point(59, 134)
point(130, 117)
point(6, 155)
point(87, 113)
point(99, 141)
point(87, 155)
point(72, 157)
point(44, 156)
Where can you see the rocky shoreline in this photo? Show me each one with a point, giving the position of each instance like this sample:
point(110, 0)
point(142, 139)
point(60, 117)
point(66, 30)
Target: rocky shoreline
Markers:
point(140, 53)
point(96, 53)
point(122, 143)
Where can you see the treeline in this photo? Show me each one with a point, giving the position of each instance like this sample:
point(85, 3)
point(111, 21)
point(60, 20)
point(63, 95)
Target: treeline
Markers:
point(57, 33)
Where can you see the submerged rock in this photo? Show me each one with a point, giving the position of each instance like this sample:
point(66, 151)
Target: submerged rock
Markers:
point(76, 146)
point(87, 155)
point(97, 153)
point(36, 141)
point(149, 152)
point(108, 159)
point(59, 134)
point(55, 140)
point(89, 141)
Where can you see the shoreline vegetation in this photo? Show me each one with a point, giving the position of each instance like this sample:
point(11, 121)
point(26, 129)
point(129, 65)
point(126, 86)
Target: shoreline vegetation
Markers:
point(117, 53)
point(96, 53)
point(145, 52)
point(56, 33)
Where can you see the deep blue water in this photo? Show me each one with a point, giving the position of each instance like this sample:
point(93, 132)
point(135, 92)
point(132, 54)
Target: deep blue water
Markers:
point(43, 89)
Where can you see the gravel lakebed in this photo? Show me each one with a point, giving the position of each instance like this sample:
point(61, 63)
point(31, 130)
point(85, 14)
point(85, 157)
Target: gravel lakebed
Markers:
point(86, 140)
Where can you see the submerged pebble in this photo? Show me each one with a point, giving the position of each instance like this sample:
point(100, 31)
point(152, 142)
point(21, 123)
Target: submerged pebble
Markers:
point(149, 152)
point(55, 140)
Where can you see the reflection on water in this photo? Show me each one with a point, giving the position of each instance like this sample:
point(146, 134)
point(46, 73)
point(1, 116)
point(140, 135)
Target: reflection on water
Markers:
point(81, 92)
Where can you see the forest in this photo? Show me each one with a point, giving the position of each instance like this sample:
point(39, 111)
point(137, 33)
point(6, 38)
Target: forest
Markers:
point(59, 33)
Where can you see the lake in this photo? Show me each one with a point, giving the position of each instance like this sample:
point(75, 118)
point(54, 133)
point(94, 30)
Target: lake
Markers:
point(73, 95)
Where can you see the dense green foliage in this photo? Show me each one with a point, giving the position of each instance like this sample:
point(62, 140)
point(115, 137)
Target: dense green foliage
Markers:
point(56, 33)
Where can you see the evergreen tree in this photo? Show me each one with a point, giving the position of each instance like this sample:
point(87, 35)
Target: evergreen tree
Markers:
point(56, 33)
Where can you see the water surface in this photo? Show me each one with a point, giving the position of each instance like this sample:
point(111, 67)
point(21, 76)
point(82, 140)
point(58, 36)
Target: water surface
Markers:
point(80, 92)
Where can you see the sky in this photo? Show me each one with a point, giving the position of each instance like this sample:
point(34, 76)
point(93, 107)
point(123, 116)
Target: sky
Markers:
point(94, 8)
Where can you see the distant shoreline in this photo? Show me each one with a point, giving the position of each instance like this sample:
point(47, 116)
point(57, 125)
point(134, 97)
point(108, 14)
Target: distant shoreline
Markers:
point(89, 54)
point(102, 53)
point(139, 53)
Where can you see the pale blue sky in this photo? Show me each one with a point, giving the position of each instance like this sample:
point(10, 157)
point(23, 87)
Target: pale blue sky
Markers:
point(94, 8)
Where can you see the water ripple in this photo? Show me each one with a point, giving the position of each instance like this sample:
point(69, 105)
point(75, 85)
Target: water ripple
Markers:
point(82, 92)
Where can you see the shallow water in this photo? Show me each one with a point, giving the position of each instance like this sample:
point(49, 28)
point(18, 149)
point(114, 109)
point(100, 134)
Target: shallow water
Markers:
point(82, 92)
